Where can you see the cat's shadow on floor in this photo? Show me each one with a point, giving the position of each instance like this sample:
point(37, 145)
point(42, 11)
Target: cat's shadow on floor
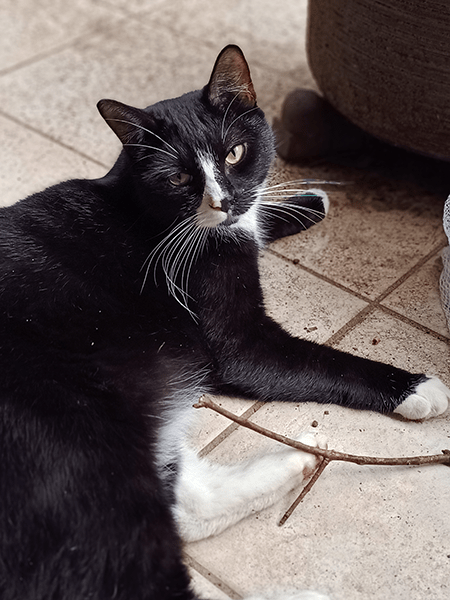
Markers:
point(379, 159)
point(395, 163)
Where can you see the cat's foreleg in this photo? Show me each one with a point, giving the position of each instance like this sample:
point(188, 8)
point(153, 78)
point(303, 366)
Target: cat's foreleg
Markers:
point(211, 497)
point(280, 367)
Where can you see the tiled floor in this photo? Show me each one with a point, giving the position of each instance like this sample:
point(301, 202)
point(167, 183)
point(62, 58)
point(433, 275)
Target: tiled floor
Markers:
point(365, 280)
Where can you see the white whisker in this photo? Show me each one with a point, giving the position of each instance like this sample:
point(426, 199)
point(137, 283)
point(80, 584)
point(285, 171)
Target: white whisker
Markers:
point(292, 194)
point(147, 130)
point(290, 210)
point(226, 113)
point(177, 253)
point(239, 117)
point(275, 203)
point(159, 249)
point(153, 148)
point(304, 182)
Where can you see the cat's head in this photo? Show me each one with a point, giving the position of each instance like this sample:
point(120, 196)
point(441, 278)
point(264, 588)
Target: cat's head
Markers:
point(202, 156)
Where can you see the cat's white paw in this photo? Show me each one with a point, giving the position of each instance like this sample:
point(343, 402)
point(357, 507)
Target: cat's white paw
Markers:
point(306, 462)
point(430, 399)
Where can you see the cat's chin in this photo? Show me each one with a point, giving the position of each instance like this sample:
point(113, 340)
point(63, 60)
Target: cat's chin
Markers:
point(230, 220)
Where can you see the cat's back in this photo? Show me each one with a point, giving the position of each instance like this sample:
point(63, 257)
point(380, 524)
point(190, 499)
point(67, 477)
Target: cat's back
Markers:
point(70, 290)
point(60, 244)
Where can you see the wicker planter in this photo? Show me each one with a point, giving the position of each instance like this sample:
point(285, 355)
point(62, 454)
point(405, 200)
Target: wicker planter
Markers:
point(385, 65)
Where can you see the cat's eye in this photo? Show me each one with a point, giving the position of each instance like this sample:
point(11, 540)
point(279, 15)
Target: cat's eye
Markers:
point(235, 155)
point(180, 179)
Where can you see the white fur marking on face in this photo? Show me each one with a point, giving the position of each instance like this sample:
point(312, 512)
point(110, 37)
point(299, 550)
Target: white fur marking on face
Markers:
point(210, 213)
point(248, 221)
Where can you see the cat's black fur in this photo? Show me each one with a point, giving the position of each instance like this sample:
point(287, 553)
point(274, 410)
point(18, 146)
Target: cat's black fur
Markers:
point(94, 350)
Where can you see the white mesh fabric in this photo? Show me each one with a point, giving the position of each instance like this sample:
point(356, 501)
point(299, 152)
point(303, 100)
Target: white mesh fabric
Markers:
point(445, 275)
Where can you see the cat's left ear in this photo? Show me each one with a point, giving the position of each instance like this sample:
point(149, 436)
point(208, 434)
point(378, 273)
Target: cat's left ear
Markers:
point(231, 76)
point(125, 121)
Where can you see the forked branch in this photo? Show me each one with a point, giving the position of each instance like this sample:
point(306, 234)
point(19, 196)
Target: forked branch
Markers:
point(326, 455)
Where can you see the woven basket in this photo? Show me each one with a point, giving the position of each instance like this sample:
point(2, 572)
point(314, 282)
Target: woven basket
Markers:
point(385, 65)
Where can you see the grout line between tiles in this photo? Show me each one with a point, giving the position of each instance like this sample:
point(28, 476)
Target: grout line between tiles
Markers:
point(38, 57)
point(411, 271)
point(229, 430)
point(407, 321)
point(371, 306)
point(206, 573)
point(324, 278)
point(345, 329)
point(51, 139)
point(376, 303)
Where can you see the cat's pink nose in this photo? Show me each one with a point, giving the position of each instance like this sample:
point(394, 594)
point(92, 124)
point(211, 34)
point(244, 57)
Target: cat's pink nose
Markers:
point(215, 204)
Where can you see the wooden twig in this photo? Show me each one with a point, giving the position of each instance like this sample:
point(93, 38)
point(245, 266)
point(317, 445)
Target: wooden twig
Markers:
point(318, 472)
point(326, 455)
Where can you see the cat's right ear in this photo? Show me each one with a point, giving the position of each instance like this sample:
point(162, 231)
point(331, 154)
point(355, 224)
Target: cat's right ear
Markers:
point(124, 120)
point(231, 78)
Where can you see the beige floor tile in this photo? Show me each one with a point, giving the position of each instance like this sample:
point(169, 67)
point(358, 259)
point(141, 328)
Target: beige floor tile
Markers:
point(348, 534)
point(363, 533)
point(303, 304)
point(381, 337)
point(59, 95)
point(31, 163)
point(137, 6)
point(31, 31)
point(366, 244)
point(274, 36)
point(204, 588)
point(209, 427)
point(418, 298)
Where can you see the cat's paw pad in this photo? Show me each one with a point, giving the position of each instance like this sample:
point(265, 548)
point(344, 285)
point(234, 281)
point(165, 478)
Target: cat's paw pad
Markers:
point(308, 462)
point(430, 398)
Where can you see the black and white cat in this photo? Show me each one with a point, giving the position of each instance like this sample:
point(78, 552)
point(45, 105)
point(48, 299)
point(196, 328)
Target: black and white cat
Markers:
point(123, 300)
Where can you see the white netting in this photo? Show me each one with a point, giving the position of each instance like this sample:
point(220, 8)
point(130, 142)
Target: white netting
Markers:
point(445, 275)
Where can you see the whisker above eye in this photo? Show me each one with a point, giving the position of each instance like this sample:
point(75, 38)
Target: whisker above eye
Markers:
point(225, 115)
point(239, 117)
point(153, 148)
point(146, 130)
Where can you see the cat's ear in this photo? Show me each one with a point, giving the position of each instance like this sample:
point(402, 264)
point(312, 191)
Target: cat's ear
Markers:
point(231, 75)
point(125, 121)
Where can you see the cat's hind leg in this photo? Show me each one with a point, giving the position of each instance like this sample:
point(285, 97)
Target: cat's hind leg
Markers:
point(211, 497)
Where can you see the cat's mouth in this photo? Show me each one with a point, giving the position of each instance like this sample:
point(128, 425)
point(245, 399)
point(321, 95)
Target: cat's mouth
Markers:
point(231, 219)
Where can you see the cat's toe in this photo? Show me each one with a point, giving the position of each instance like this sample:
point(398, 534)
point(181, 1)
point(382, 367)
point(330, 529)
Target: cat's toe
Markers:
point(430, 398)
point(310, 461)
point(316, 440)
